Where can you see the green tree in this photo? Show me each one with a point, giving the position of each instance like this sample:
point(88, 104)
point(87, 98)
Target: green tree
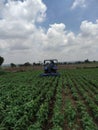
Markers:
point(87, 61)
point(12, 65)
point(27, 64)
point(1, 60)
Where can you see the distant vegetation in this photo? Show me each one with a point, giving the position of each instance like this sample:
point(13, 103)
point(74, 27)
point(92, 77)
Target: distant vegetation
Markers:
point(12, 65)
point(1, 60)
point(78, 62)
point(60, 63)
point(27, 64)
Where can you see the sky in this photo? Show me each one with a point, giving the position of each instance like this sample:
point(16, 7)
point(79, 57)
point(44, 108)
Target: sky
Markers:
point(34, 30)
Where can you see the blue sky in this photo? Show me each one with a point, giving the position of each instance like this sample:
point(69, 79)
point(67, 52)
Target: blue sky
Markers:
point(61, 12)
point(34, 30)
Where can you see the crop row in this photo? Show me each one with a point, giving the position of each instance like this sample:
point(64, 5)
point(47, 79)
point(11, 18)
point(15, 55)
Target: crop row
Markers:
point(30, 102)
point(87, 122)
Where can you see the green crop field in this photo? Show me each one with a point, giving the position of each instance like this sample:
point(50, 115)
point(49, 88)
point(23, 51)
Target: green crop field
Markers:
point(68, 102)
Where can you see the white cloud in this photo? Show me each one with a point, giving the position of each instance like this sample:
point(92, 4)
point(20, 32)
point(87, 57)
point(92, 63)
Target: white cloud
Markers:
point(29, 10)
point(19, 20)
point(62, 44)
point(22, 40)
point(89, 28)
point(78, 3)
point(56, 37)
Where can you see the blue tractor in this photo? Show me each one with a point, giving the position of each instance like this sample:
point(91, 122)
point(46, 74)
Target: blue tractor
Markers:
point(50, 68)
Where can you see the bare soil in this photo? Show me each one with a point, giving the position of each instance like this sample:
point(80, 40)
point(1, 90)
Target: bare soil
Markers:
point(40, 67)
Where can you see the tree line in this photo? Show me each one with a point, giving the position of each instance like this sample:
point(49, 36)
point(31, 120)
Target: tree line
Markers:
point(1, 60)
point(37, 64)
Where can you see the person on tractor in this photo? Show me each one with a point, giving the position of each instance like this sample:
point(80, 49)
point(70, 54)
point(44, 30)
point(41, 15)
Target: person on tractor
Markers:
point(49, 67)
